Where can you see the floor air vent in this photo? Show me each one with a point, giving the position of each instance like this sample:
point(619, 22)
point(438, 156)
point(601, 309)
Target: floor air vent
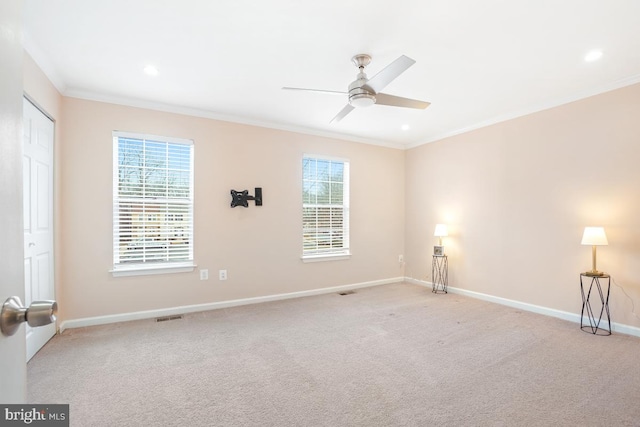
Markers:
point(164, 319)
point(347, 293)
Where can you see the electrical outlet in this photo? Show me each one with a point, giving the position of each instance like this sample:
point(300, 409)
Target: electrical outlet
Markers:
point(222, 274)
point(204, 274)
point(400, 258)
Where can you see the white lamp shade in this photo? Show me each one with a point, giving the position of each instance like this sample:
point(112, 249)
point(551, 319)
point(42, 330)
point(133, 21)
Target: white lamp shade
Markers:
point(594, 236)
point(441, 230)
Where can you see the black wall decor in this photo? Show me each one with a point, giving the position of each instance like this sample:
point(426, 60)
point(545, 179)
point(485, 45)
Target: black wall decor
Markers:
point(241, 198)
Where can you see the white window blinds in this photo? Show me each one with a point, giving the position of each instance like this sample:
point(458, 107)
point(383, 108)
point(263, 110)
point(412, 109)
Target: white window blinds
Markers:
point(152, 201)
point(325, 209)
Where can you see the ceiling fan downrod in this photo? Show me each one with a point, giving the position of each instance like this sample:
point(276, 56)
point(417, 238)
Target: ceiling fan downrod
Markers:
point(358, 96)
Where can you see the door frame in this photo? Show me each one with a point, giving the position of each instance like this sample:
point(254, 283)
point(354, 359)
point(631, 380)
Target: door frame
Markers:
point(38, 337)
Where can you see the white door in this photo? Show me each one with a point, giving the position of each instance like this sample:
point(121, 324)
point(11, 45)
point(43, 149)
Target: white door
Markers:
point(37, 169)
point(13, 369)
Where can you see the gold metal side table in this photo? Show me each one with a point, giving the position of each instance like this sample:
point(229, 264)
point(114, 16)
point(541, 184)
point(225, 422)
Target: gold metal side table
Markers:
point(439, 274)
point(586, 288)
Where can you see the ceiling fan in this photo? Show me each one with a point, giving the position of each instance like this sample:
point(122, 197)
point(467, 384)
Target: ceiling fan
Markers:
point(365, 92)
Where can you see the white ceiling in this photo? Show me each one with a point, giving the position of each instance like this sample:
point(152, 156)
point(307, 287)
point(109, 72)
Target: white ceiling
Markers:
point(478, 62)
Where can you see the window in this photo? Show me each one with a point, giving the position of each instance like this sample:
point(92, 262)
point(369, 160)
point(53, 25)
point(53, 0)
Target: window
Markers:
point(325, 207)
point(152, 204)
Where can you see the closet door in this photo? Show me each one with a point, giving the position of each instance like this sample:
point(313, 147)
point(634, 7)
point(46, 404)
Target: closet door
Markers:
point(38, 218)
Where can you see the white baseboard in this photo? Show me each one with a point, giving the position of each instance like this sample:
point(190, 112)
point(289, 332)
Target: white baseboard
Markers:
point(564, 315)
point(150, 314)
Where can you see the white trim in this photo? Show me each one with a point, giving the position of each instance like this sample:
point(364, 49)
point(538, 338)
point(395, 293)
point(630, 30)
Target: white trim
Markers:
point(564, 315)
point(40, 108)
point(195, 112)
point(42, 60)
point(145, 270)
point(627, 81)
point(154, 138)
point(326, 257)
point(140, 315)
point(324, 157)
point(150, 314)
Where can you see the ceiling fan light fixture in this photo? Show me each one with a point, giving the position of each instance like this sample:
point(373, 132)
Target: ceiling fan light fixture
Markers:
point(362, 100)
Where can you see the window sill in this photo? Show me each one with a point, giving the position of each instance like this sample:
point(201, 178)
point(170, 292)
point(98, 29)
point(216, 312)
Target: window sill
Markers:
point(326, 257)
point(144, 270)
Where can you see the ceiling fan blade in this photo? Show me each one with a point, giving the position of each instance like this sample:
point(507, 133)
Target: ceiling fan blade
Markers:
point(388, 74)
point(330, 92)
point(398, 101)
point(346, 110)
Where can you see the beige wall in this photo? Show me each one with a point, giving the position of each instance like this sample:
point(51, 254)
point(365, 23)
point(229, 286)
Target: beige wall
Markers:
point(517, 196)
point(259, 246)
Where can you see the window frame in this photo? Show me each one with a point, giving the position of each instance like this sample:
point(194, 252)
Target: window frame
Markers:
point(332, 254)
point(156, 267)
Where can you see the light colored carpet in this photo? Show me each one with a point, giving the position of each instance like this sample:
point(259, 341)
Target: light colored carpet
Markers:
point(393, 355)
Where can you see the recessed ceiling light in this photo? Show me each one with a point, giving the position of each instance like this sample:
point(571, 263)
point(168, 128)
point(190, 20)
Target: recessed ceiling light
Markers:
point(594, 55)
point(150, 70)
point(405, 127)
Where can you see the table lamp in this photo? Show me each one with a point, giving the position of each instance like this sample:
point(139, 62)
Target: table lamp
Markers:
point(440, 232)
point(594, 236)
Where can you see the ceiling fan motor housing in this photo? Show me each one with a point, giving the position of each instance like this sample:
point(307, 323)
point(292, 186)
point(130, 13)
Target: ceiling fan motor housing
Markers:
point(358, 95)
